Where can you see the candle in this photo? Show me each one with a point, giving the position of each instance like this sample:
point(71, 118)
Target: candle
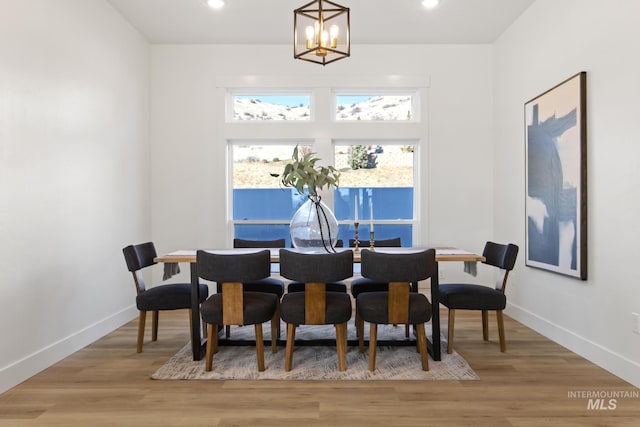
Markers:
point(371, 214)
point(356, 204)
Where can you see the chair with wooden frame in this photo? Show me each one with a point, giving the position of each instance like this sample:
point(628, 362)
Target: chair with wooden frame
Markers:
point(174, 296)
point(316, 305)
point(397, 305)
point(463, 296)
point(234, 306)
point(269, 284)
point(365, 284)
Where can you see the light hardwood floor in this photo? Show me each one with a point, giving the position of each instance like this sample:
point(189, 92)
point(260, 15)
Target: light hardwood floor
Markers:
point(107, 384)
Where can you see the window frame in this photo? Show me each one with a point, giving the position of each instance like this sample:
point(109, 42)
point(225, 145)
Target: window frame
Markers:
point(323, 132)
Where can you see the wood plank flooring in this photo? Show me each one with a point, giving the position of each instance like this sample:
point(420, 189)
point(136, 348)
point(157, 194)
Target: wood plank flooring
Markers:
point(107, 384)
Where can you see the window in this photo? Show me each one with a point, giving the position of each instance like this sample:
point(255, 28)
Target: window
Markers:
point(374, 107)
point(271, 107)
point(380, 178)
point(262, 208)
point(374, 170)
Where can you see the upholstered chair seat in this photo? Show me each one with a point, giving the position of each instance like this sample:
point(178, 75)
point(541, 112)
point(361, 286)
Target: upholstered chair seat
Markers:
point(375, 308)
point(169, 297)
point(257, 308)
point(338, 308)
point(472, 297)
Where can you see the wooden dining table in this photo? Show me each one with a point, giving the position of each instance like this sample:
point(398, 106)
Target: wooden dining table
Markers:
point(198, 342)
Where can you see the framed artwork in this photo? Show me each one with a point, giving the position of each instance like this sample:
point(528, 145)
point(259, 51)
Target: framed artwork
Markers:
point(556, 179)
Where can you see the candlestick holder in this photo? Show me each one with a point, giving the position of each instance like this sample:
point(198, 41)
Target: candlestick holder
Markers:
point(356, 240)
point(371, 241)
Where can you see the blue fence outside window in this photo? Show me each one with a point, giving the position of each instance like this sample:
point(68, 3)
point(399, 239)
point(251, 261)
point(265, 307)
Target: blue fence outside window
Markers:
point(389, 203)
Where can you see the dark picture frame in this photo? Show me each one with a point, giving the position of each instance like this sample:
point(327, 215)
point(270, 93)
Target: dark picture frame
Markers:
point(556, 178)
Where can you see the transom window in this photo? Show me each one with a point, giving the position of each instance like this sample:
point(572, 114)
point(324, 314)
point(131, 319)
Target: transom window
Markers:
point(253, 107)
point(369, 107)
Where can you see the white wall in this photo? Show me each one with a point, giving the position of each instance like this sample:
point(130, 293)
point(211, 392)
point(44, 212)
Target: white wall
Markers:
point(553, 40)
point(188, 155)
point(74, 177)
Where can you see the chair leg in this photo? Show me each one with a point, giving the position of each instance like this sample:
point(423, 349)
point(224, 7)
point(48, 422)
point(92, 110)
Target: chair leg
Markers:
point(154, 331)
point(259, 346)
point(212, 345)
point(275, 330)
point(503, 344)
point(227, 331)
point(360, 332)
point(485, 325)
point(291, 336)
point(341, 344)
point(141, 324)
point(275, 322)
point(452, 318)
point(422, 345)
point(406, 331)
point(373, 341)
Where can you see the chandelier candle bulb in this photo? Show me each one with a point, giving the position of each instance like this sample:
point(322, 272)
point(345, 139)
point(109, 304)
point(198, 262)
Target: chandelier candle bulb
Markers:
point(310, 36)
point(334, 30)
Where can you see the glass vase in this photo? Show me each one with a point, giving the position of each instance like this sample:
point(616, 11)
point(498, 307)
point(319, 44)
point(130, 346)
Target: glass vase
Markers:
point(314, 227)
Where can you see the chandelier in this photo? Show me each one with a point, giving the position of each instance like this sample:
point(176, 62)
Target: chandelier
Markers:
point(321, 32)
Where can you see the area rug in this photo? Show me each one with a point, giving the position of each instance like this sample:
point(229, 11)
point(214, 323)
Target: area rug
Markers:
point(393, 362)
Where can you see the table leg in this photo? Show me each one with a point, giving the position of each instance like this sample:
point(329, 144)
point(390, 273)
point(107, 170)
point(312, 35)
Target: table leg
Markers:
point(197, 342)
point(435, 317)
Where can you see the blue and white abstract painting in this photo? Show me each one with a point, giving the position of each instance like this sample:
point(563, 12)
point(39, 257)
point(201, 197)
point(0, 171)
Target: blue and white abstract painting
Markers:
point(555, 179)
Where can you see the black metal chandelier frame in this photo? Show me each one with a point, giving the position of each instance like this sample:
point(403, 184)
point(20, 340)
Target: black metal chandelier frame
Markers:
point(322, 13)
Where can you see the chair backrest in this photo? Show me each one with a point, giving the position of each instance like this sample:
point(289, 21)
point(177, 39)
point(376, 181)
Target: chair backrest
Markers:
point(315, 271)
point(138, 257)
point(399, 270)
point(394, 242)
point(241, 267)
point(504, 258)
point(318, 268)
point(244, 243)
point(399, 267)
point(230, 270)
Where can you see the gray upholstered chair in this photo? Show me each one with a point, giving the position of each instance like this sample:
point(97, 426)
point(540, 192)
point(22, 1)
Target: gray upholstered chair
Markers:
point(365, 284)
point(463, 296)
point(316, 305)
point(396, 305)
point(174, 296)
point(269, 284)
point(234, 306)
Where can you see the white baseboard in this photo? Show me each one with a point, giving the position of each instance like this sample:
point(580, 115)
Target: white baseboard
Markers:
point(618, 365)
point(23, 369)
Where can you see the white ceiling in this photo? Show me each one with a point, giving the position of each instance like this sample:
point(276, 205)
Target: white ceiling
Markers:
point(271, 21)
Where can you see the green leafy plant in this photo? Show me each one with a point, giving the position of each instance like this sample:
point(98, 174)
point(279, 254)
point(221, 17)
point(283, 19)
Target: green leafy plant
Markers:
point(302, 172)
